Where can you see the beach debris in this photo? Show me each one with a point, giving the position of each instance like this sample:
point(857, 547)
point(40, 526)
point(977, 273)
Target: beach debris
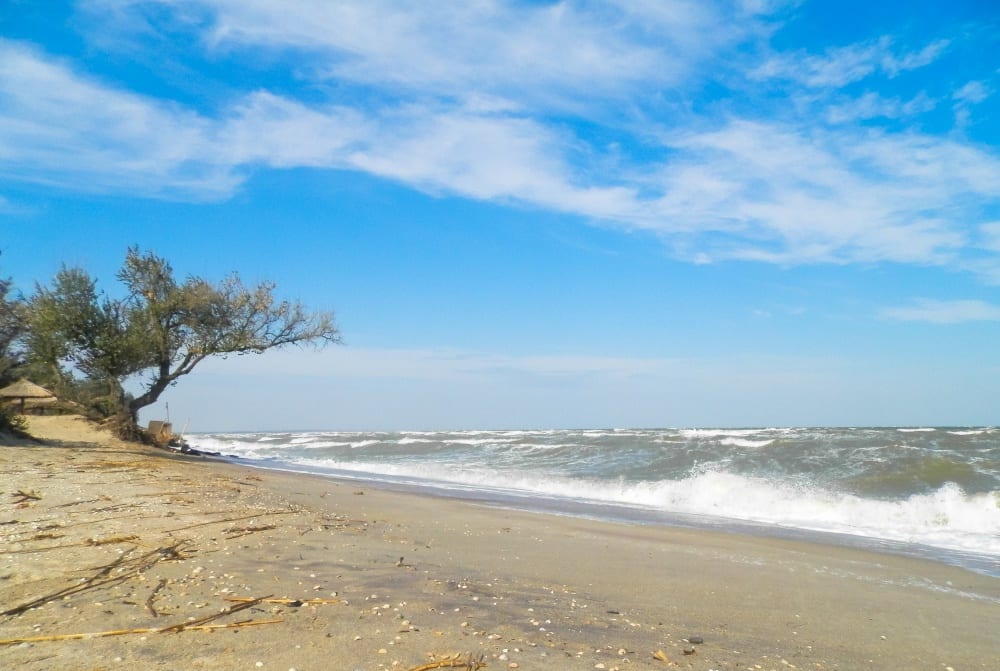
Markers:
point(689, 651)
point(234, 519)
point(181, 626)
point(142, 630)
point(21, 496)
point(695, 640)
point(46, 535)
point(152, 597)
point(294, 603)
point(110, 541)
point(236, 532)
point(121, 569)
point(661, 656)
point(467, 661)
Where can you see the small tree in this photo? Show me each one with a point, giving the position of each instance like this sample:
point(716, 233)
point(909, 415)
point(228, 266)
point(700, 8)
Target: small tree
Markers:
point(161, 329)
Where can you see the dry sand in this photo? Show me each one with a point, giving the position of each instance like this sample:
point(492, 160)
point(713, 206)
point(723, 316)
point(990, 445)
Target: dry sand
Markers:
point(126, 537)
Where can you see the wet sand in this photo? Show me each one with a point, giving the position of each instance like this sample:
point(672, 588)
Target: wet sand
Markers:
point(123, 537)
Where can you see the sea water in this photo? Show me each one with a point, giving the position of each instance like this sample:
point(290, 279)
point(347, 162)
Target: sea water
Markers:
point(929, 492)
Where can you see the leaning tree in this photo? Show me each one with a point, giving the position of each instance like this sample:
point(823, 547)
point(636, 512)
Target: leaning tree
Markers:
point(161, 329)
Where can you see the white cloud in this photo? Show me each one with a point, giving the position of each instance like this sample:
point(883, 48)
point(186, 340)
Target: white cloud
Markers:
point(839, 66)
point(913, 60)
point(267, 129)
point(557, 53)
point(871, 105)
point(945, 312)
point(59, 127)
point(972, 92)
point(461, 105)
point(779, 192)
point(788, 196)
point(489, 157)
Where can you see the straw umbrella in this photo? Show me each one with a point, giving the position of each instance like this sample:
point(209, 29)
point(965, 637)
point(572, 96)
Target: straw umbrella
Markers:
point(24, 389)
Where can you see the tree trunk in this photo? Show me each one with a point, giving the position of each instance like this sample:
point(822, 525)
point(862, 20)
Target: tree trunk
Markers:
point(151, 395)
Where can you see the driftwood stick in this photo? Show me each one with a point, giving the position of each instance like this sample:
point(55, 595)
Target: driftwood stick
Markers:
point(215, 616)
point(233, 519)
point(93, 581)
point(299, 602)
point(103, 577)
point(144, 630)
point(236, 532)
point(152, 597)
point(110, 541)
point(471, 663)
point(20, 496)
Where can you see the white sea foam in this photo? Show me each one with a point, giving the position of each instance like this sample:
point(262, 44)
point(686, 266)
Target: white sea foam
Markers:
point(320, 444)
point(946, 518)
point(740, 442)
point(713, 433)
point(917, 430)
point(479, 441)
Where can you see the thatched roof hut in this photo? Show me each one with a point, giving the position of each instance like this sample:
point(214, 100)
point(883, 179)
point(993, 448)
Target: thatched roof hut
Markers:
point(25, 389)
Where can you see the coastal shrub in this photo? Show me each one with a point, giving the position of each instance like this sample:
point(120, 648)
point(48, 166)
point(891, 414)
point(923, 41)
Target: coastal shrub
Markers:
point(13, 423)
point(158, 332)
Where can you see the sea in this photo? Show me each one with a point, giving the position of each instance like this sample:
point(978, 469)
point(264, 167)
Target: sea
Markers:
point(930, 492)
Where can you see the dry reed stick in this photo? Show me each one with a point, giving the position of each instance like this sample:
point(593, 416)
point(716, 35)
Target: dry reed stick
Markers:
point(144, 630)
point(472, 663)
point(302, 602)
point(215, 616)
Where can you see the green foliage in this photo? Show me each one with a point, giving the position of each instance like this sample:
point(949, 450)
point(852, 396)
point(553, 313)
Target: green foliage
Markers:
point(71, 324)
point(12, 326)
point(12, 423)
point(161, 329)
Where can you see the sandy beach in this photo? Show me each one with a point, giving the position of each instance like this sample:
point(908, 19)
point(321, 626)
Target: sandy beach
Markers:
point(162, 551)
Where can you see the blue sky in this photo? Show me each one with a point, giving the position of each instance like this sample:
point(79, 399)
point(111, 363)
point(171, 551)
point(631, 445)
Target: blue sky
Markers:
point(535, 214)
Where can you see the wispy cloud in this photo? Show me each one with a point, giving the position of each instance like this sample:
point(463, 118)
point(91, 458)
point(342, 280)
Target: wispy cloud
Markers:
point(60, 127)
point(966, 97)
point(789, 196)
point(535, 52)
point(972, 93)
point(871, 105)
point(839, 66)
point(499, 101)
point(945, 312)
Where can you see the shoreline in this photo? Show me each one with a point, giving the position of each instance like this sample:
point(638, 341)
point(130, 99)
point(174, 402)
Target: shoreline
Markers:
point(631, 514)
point(413, 578)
